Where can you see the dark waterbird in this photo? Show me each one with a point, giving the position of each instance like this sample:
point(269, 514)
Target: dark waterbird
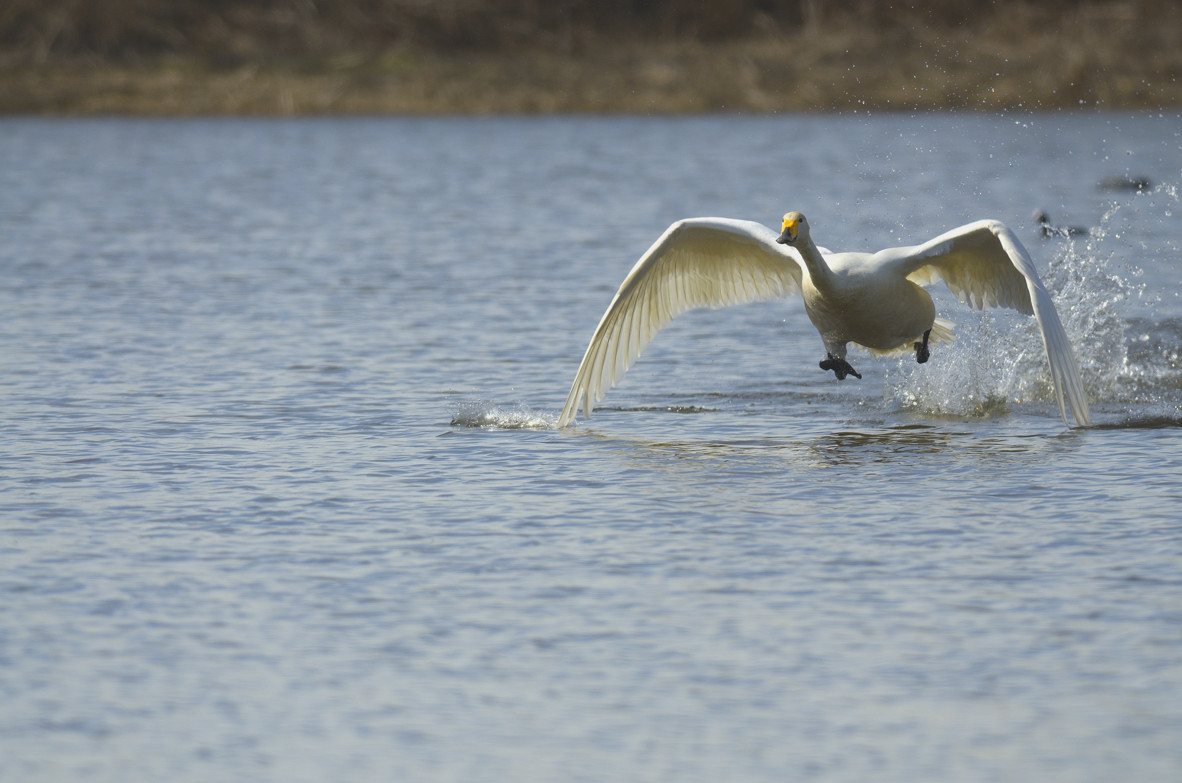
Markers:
point(1048, 230)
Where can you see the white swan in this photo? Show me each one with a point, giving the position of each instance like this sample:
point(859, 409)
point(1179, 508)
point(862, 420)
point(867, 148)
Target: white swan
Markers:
point(870, 299)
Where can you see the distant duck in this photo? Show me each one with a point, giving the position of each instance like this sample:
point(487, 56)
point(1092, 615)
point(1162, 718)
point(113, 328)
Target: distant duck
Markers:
point(1048, 230)
point(1125, 183)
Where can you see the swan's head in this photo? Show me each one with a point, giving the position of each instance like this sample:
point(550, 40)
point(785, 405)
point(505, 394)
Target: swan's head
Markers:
point(795, 226)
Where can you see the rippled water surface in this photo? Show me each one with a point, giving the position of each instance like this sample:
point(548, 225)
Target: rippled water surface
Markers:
point(281, 496)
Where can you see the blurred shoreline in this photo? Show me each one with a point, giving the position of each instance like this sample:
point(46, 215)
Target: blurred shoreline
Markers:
point(1108, 56)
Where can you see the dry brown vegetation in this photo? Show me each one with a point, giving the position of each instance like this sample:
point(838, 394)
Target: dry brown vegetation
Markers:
point(485, 56)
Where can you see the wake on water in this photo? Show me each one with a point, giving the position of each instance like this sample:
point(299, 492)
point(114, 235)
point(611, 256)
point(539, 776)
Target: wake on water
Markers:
point(1131, 366)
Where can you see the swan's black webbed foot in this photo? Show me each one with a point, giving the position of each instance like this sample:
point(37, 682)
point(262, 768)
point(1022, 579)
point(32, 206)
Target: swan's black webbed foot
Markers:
point(840, 367)
point(922, 354)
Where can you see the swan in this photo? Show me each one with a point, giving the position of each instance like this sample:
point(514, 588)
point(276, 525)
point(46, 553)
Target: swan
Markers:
point(874, 300)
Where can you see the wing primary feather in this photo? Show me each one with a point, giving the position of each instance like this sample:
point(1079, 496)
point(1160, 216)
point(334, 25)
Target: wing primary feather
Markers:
point(624, 356)
point(618, 358)
point(636, 328)
point(1065, 376)
point(601, 342)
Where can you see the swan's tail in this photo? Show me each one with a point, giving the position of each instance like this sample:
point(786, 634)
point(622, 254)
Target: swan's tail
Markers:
point(942, 332)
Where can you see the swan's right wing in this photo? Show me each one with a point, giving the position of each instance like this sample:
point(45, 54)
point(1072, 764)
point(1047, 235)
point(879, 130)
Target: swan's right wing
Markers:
point(985, 265)
point(700, 262)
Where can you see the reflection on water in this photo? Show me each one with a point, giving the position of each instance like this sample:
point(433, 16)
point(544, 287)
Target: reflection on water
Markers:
point(913, 449)
point(896, 442)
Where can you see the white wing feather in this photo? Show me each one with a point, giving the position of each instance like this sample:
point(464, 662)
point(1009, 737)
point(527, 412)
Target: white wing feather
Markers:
point(985, 265)
point(701, 262)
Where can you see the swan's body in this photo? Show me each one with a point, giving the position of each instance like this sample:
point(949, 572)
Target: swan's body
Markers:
point(871, 299)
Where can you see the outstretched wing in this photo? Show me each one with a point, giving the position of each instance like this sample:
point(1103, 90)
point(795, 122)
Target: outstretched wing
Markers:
point(986, 266)
point(701, 262)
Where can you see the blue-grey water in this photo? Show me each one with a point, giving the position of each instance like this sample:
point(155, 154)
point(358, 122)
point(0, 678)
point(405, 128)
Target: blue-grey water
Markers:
point(281, 496)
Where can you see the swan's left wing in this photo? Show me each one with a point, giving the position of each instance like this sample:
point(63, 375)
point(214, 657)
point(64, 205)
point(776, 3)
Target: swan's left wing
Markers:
point(986, 266)
point(700, 262)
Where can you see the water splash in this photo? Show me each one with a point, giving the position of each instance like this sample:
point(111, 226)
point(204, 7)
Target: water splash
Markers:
point(994, 362)
point(1135, 236)
point(1128, 362)
point(491, 416)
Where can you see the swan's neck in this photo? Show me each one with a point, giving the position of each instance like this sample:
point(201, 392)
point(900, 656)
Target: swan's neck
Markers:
point(819, 271)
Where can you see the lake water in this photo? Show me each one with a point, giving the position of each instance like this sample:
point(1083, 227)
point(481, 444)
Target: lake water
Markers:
point(281, 496)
